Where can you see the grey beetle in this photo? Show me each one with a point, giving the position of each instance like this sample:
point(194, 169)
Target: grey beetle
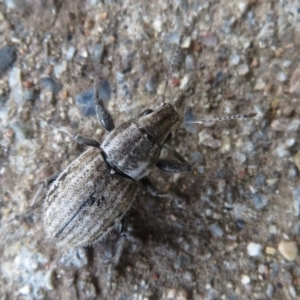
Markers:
point(92, 195)
point(88, 198)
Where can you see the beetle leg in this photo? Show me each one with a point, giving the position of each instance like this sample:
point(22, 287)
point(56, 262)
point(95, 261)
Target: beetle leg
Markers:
point(124, 235)
point(175, 153)
point(44, 184)
point(86, 141)
point(103, 115)
point(151, 190)
point(81, 139)
point(173, 166)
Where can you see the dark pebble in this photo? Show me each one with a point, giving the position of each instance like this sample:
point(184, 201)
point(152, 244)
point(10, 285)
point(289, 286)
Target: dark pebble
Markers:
point(8, 55)
point(85, 100)
point(51, 85)
point(182, 262)
point(240, 224)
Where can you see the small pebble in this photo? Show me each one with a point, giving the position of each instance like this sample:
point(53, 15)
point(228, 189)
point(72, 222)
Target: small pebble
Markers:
point(22, 130)
point(59, 69)
point(270, 250)
point(25, 290)
point(234, 59)
point(293, 126)
point(297, 160)
point(186, 43)
point(296, 198)
point(287, 63)
point(292, 291)
point(280, 124)
point(243, 6)
point(245, 279)
point(184, 84)
point(8, 55)
point(238, 158)
point(259, 201)
point(182, 262)
point(196, 157)
point(270, 290)
point(281, 151)
point(259, 85)
point(51, 85)
point(174, 294)
point(272, 229)
point(157, 24)
point(96, 51)
point(189, 63)
point(209, 40)
point(243, 69)
point(281, 77)
point(15, 84)
point(216, 230)
point(87, 290)
point(295, 82)
point(254, 249)
point(151, 84)
point(205, 138)
point(288, 249)
point(71, 53)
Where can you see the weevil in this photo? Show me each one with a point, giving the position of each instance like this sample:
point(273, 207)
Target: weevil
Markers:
point(92, 195)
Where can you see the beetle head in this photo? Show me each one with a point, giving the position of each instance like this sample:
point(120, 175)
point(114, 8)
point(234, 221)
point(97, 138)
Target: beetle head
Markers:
point(159, 123)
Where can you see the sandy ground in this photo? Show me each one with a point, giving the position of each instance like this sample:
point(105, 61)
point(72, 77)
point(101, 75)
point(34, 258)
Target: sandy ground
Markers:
point(233, 232)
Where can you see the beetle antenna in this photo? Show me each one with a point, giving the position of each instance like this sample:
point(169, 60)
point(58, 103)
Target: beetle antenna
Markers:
point(233, 117)
point(173, 62)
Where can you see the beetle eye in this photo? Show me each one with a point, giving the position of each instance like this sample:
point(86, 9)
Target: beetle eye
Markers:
point(146, 112)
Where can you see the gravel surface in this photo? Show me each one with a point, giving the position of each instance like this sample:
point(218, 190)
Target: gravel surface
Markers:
point(233, 230)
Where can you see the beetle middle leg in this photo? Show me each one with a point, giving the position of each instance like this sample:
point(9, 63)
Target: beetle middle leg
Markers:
point(81, 139)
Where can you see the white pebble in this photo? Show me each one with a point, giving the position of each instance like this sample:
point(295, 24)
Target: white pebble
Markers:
point(205, 138)
point(157, 24)
point(186, 43)
point(293, 291)
point(184, 82)
point(259, 85)
point(243, 69)
point(245, 279)
point(242, 6)
point(234, 59)
point(25, 290)
point(254, 249)
point(281, 77)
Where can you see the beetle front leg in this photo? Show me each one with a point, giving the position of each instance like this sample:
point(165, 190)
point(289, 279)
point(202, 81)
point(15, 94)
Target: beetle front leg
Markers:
point(173, 166)
point(103, 115)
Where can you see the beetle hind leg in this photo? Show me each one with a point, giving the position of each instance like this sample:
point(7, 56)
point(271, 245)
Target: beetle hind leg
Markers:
point(43, 185)
point(125, 235)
